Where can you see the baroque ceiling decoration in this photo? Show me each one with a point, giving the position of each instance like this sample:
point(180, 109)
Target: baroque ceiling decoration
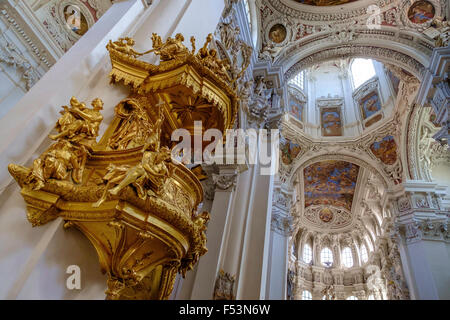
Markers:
point(324, 2)
point(291, 32)
point(330, 183)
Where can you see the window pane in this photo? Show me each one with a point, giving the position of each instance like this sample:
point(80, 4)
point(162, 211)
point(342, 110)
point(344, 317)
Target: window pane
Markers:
point(307, 253)
point(371, 297)
point(347, 257)
point(298, 80)
point(369, 243)
point(352, 298)
point(306, 295)
point(247, 11)
point(326, 257)
point(364, 256)
point(362, 70)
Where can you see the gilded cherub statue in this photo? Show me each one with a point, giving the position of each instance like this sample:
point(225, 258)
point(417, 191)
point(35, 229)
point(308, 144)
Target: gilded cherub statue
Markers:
point(173, 48)
point(152, 169)
point(149, 176)
point(78, 128)
point(135, 127)
point(78, 123)
point(57, 162)
point(125, 45)
point(204, 52)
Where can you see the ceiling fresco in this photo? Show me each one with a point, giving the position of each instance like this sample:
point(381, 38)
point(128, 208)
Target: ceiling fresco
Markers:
point(385, 150)
point(330, 183)
point(324, 2)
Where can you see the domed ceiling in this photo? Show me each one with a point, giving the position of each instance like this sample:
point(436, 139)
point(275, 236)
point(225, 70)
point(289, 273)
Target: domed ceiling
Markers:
point(324, 2)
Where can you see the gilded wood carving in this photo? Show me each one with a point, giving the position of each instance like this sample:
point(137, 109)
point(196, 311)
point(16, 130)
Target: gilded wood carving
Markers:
point(135, 204)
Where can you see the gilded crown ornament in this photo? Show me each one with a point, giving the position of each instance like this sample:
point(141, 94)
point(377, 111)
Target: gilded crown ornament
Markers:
point(136, 205)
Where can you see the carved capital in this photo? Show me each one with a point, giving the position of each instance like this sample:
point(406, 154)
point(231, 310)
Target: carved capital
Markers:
point(281, 223)
point(225, 182)
point(412, 232)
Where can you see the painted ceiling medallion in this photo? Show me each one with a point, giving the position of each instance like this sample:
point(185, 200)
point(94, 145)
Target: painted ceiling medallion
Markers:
point(326, 215)
point(324, 2)
point(75, 20)
point(420, 12)
point(278, 33)
point(330, 183)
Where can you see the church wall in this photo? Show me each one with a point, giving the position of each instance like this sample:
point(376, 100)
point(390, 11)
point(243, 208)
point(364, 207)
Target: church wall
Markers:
point(48, 278)
point(19, 70)
point(441, 174)
point(439, 261)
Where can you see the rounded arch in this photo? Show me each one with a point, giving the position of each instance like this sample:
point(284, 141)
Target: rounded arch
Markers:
point(384, 55)
point(413, 140)
point(406, 54)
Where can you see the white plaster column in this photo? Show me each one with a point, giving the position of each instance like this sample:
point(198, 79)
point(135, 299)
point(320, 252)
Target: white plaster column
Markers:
point(231, 259)
point(251, 282)
point(425, 241)
point(279, 255)
point(208, 265)
point(428, 259)
point(312, 119)
point(434, 90)
point(278, 265)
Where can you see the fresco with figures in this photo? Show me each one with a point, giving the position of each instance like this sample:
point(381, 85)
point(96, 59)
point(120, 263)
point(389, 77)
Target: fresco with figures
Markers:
point(277, 33)
point(289, 151)
point(421, 12)
point(296, 109)
point(370, 104)
point(330, 183)
point(385, 150)
point(324, 2)
point(331, 122)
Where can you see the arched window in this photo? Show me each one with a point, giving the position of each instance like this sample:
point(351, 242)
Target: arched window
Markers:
point(352, 298)
point(364, 255)
point(369, 243)
point(306, 295)
point(347, 258)
point(247, 13)
point(326, 257)
point(362, 70)
point(298, 80)
point(371, 297)
point(307, 253)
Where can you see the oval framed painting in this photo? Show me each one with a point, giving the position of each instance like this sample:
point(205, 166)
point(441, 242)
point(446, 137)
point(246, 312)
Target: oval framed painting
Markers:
point(75, 19)
point(277, 33)
point(421, 11)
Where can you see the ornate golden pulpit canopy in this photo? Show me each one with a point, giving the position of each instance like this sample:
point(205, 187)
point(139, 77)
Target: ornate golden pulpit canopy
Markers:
point(124, 193)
